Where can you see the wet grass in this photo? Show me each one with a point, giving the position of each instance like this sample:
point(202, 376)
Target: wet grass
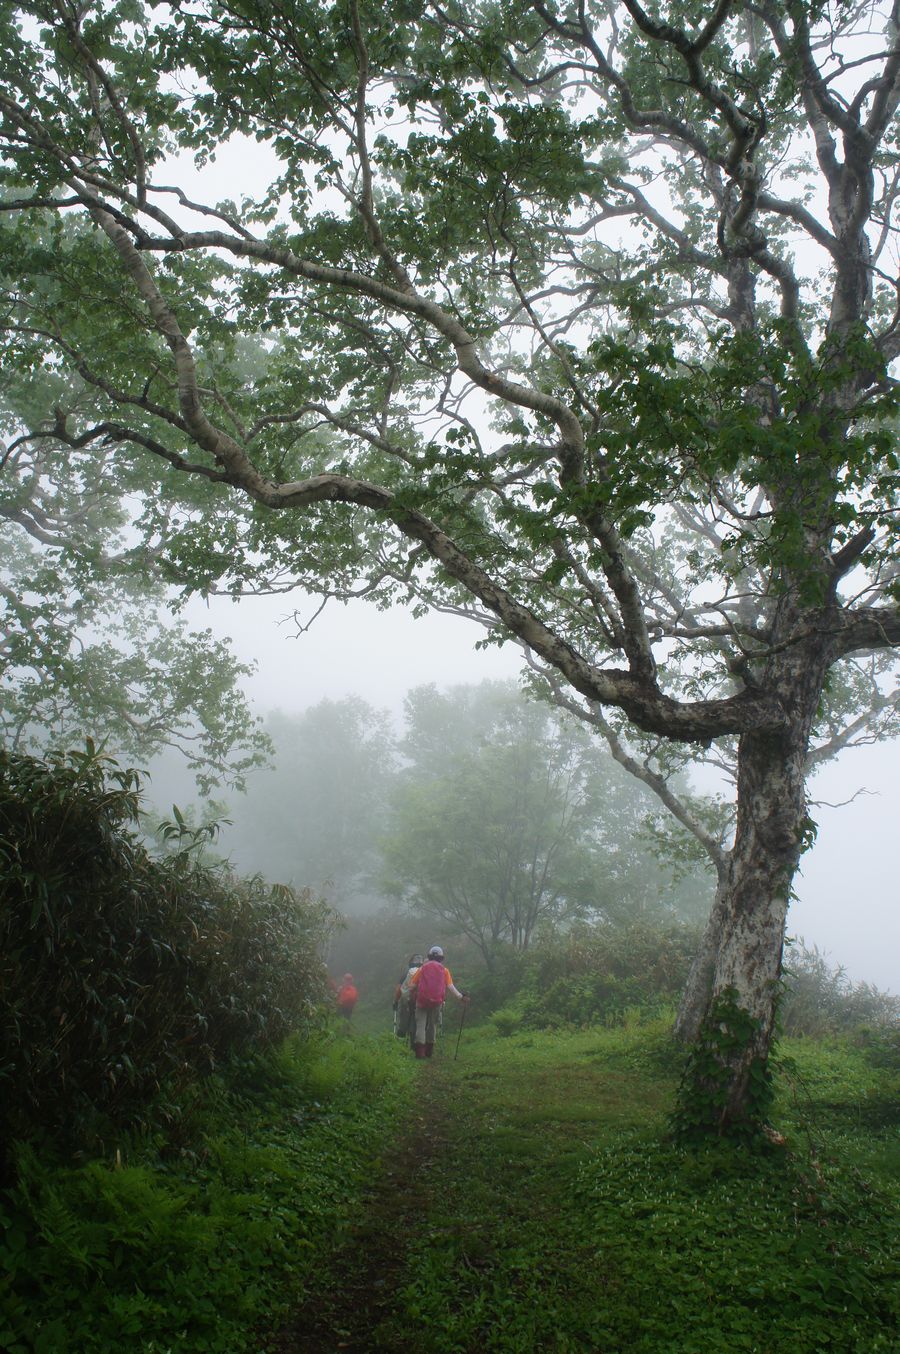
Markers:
point(521, 1199)
point(546, 1211)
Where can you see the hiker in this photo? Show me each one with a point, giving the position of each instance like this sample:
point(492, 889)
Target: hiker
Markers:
point(347, 996)
point(404, 998)
point(431, 983)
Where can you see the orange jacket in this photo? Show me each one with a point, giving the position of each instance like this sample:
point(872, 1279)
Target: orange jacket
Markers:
point(347, 997)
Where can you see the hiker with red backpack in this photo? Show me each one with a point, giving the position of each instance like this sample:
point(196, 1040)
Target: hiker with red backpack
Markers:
point(431, 984)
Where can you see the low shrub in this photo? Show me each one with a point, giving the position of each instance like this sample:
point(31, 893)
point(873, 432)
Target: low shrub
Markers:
point(594, 974)
point(820, 999)
point(201, 1249)
point(122, 976)
point(597, 975)
point(881, 1046)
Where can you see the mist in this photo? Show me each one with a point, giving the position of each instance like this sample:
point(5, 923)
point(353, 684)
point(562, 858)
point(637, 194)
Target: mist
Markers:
point(846, 901)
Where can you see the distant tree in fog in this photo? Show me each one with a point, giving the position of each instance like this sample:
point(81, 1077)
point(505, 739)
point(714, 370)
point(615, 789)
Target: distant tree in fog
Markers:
point(508, 821)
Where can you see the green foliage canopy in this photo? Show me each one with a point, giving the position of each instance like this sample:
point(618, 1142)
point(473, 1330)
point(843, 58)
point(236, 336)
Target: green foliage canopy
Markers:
point(88, 646)
point(435, 223)
point(534, 280)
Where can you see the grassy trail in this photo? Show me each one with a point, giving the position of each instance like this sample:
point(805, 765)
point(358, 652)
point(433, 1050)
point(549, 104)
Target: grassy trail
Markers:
point(524, 1199)
point(467, 1197)
point(530, 1205)
point(352, 1306)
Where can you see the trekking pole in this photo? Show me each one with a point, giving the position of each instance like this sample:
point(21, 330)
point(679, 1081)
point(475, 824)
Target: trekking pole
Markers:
point(462, 1021)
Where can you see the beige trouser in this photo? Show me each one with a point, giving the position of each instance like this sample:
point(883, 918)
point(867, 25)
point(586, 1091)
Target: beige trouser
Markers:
point(426, 1023)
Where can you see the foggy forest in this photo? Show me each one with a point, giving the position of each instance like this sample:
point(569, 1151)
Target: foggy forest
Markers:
point(449, 703)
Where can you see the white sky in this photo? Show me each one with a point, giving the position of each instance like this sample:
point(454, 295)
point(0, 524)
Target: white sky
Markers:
point(848, 900)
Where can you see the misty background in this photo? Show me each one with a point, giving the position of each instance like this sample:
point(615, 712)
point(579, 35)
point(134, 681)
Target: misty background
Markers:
point(847, 891)
point(847, 902)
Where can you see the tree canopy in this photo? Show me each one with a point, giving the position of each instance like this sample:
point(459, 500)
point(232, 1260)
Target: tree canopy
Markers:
point(314, 817)
point(89, 646)
point(579, 316)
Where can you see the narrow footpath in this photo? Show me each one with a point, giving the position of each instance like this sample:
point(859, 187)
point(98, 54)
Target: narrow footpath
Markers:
point(354, 1305)
point(469, 1214)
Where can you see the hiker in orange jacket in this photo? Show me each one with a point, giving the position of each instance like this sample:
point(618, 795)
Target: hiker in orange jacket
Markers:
point(347, 996)
point(431, 984)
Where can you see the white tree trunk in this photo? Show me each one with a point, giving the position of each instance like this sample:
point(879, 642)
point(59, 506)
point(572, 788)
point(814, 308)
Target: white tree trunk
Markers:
point(695, 998)
point(746, 927)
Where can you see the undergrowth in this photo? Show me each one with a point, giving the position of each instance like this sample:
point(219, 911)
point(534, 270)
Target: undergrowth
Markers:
point(531, 1200)
point(577, 1227)
point(158, 1249)
point(122, 975)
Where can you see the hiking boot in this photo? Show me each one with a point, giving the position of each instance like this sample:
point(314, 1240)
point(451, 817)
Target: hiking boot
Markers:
point(420, 1050)
point(429, 1050)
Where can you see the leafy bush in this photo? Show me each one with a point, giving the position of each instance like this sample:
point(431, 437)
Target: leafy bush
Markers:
point(598, 974)
point(702, 1106)
point(882, 1047)
point(820, 999)
point(120, 973)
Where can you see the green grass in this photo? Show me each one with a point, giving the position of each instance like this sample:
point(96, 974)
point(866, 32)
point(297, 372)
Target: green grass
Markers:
point(523, 1199)
point(558, 1217)
point(196, 1249)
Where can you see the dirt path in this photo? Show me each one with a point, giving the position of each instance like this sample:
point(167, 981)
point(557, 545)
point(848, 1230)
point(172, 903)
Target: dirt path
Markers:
point(355, 1310)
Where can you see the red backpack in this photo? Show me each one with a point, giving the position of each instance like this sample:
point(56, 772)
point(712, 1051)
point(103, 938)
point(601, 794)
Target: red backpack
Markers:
point(432, 985)
point(347, 997)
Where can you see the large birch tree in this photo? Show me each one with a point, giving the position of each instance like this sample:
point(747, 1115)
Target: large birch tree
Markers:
point(544, 287)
